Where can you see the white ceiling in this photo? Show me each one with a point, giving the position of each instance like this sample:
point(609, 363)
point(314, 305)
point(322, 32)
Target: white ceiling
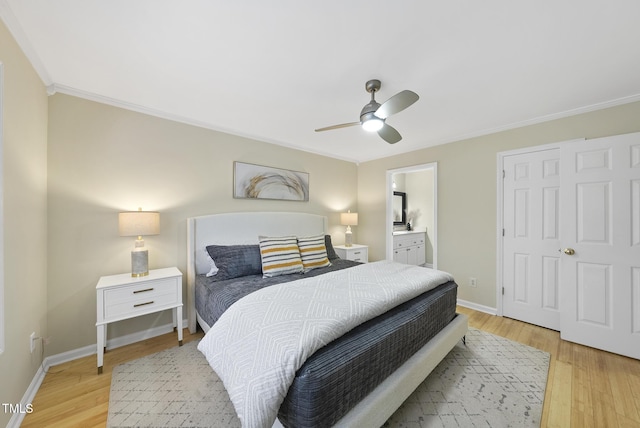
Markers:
point(276, 70)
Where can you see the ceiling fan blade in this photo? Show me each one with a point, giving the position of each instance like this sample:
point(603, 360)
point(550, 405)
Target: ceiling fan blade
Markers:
point(342, 125)
point(389, 134)
point(396, 103)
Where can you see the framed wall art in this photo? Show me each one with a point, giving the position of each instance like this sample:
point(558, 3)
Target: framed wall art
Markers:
point(263, 182)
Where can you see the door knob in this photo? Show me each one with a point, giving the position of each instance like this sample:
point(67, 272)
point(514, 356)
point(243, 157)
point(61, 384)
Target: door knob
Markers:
point(569, 251)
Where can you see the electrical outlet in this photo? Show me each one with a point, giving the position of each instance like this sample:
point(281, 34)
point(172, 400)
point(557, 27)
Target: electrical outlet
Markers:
point(32, 342)
point(472, 282)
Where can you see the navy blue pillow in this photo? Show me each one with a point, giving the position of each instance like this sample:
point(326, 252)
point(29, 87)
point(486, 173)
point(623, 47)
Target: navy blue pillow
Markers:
point(234, 261)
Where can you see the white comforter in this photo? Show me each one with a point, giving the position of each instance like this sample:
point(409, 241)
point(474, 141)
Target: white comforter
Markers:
point(260, 342)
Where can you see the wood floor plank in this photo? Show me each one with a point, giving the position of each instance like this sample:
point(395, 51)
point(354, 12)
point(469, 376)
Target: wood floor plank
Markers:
point(546, 406)
point(585, 387)
point(561, 397)
point(622, 394)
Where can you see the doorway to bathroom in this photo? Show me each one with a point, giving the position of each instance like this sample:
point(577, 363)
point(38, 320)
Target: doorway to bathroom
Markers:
point(411, 210)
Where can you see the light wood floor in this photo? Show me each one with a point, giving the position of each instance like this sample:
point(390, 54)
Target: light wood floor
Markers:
point(585, 388)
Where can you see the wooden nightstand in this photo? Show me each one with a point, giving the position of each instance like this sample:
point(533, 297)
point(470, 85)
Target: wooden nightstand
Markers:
point(121, 297)
point(356, 252)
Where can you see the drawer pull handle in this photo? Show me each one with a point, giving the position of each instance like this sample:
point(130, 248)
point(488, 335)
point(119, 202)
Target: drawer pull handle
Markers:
point(142, 291)
point(356, 252)
point(143, 304)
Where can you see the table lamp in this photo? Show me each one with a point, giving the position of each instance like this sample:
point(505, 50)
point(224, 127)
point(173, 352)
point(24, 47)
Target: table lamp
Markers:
point(348, 219)
point(139, 223)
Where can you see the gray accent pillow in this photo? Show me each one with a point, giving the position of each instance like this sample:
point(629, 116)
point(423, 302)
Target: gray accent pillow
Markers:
point(331, 253)
point(234, 261)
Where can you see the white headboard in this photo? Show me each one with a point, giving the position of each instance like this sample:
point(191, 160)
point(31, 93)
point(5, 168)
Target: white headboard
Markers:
point(239, 228)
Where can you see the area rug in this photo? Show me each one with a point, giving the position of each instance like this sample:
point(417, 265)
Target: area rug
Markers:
point(489, 382)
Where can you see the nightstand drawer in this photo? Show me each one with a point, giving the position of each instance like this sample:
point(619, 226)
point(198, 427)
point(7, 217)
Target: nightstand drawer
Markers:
point(358, 256)
point(356, 253)
point(144, 297)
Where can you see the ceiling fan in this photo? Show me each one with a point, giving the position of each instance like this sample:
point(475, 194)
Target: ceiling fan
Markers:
point(374, 114)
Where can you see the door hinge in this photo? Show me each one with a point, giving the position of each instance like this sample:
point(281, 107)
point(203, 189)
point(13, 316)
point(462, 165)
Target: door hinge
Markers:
point(503, 232)
point(504, 174)
point(503, 291)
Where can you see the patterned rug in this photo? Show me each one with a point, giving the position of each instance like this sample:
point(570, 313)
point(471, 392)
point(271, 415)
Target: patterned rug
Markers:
point(490, 382)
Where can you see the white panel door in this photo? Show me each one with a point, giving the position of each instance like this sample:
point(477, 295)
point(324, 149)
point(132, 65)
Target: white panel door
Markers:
point(531, 262)
point(600, 274)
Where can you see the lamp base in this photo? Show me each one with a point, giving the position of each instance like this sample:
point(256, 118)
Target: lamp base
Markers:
point(139, 263)
point(139, 275)
point(348, 239)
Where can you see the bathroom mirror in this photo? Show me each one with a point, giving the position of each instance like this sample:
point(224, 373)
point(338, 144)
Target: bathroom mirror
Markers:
point(399, 208)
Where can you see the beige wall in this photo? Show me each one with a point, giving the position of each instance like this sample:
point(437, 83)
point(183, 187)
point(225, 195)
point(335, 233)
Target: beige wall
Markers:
point(467, 192)
point(103, 160)
point(24, 172)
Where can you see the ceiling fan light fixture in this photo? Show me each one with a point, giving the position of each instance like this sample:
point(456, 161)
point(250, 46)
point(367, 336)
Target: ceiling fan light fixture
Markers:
point(372, 123)
point(373, 115)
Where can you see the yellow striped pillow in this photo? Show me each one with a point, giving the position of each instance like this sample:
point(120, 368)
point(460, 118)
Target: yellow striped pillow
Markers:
point(280, 256)
point(313, 252)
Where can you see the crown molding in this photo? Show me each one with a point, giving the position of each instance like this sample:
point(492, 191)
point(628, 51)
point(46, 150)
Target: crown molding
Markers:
point(521, 124)
point(12, 23)
point(55, 88)
point(68, 90)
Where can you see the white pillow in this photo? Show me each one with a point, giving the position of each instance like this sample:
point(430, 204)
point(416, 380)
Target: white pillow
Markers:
point(214, 269)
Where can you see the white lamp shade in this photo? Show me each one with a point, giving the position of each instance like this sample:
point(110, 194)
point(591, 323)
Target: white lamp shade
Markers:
point(139, 223)
point(349, 219)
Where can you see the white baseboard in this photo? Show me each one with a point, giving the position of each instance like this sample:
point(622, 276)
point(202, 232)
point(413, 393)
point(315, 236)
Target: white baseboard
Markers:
point(54, 360)
point(74, 354)
point(29, 395)
point(477, 307)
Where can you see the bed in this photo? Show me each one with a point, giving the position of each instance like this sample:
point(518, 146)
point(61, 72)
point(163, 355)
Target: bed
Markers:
point(385, 373)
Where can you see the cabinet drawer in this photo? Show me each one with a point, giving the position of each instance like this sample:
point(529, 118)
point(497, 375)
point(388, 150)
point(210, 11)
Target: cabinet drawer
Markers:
point(399, 243)
point(145, 297)
point(357, 253)
point(358, 256)
point(418, 239)
point(403, 241)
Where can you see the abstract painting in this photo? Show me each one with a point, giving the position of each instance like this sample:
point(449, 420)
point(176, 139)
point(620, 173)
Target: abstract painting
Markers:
point(263, 182)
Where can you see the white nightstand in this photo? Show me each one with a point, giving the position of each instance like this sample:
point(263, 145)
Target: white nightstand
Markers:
point(356, 252)
point(120, 297)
